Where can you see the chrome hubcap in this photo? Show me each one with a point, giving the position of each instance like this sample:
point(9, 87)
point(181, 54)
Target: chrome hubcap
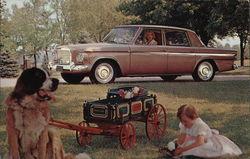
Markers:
point(104, 73)
point(205, 71)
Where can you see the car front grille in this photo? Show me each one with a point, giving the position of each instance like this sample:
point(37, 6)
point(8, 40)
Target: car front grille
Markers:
point(64, 56)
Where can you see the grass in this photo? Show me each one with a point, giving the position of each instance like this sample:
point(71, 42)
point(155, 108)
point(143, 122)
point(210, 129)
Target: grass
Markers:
point(223, 105)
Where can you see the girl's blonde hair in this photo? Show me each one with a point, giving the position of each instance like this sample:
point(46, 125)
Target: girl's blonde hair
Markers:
point(187, 110)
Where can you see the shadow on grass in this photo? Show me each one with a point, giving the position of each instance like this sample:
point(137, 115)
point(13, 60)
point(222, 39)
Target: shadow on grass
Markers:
point(131, 82)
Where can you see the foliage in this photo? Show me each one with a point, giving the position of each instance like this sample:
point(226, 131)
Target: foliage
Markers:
point(231, 17)
point(94, 16)
point(60, 28)
point(84, 37)
point(40, 23)
point(8, 65)
point(90, 19)
point(189, 14)
point(34, 32)
point(5, 43)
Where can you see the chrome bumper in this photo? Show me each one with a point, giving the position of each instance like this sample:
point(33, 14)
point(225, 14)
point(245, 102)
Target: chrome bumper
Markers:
point(70, 67)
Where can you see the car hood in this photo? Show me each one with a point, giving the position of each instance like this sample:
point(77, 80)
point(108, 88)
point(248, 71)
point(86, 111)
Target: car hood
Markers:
point(96, 47)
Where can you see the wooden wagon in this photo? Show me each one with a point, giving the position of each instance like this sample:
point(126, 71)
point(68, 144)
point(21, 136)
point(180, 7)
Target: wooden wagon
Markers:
point(113, 116)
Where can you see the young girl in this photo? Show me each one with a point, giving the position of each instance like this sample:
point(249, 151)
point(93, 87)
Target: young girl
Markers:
point(197, 139)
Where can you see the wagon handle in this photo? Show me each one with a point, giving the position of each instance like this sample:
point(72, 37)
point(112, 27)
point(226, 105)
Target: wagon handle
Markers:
point(70, 126)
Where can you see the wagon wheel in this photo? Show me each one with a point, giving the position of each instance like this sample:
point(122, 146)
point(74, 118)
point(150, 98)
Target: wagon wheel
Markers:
point(82, 137)
point(156, 123)
point(127, 135)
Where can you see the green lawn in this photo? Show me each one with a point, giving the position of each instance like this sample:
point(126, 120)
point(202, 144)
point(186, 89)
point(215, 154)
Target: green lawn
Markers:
point(223, 105)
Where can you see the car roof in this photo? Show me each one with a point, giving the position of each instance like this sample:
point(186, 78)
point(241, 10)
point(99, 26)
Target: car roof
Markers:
point(156, 26)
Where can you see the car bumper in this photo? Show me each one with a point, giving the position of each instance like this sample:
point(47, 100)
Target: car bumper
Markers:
point(235, 66)
point(70, 67)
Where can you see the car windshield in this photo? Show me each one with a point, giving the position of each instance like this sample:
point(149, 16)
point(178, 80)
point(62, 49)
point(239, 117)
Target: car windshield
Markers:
point(121, 35)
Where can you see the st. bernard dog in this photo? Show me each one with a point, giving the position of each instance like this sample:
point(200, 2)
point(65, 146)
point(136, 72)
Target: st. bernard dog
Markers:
point(27, 118)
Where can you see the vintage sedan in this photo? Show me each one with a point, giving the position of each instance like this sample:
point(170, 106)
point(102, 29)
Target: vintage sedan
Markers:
point(143, 50)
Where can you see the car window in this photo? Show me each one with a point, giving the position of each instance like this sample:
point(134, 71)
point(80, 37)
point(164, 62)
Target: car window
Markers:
point(149, 37)
point(176, 38)
point(121, 35)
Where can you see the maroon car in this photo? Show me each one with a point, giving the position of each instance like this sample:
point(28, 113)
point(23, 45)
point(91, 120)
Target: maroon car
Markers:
point(143, 50)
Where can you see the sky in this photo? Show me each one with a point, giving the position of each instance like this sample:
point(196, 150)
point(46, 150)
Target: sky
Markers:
point(229, 40)
point(17, 2)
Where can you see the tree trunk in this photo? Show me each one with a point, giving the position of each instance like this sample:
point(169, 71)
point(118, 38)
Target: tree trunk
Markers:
point(46, 53)
point(241, 50)
point(35, 60)
point(47, 58)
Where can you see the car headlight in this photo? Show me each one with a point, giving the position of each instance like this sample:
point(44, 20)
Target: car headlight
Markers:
point(81, 57)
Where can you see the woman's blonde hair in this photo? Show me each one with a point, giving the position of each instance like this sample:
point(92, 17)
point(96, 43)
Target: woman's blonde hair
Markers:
point(187, 110)
point(151, 32)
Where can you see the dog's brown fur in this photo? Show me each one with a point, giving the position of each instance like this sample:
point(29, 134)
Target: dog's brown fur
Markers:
point(27, 129)
point(29, 136)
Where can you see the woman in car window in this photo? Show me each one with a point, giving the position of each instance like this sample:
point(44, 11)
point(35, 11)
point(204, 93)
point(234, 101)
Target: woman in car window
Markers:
point(150, 36)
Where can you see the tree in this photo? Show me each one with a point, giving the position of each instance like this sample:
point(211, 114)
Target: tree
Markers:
point(231, 17)
point(6, 43)
point(8, 64)
point(94, 16)
point(59, 9)
point(84, 37)
point(188, 14)
point(31, 28)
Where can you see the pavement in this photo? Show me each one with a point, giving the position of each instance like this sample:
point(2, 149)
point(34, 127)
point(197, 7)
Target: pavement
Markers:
point(10, 82)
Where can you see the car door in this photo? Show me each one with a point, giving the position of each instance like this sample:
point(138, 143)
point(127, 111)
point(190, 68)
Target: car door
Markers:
point(148, 59)
point(181, 56)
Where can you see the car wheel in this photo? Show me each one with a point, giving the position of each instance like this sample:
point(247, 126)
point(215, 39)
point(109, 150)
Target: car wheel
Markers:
point(204, 72)
point(169, 77)
point(103, 72)
point(72, 78)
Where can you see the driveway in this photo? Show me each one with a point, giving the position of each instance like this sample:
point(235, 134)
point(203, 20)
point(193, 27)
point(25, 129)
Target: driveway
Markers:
point(10, 82)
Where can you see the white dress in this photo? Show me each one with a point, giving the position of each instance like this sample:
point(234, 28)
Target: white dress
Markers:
point(215, 145)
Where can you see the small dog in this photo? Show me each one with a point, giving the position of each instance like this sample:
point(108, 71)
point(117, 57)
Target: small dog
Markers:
point(29, 136)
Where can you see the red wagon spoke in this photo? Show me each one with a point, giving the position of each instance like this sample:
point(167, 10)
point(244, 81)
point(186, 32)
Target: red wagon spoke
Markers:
point(160, 111)
point(161, 129)
point(82, 137)
point(81, 140)
point(161, 117)
point(127, 135)
point(156, 123)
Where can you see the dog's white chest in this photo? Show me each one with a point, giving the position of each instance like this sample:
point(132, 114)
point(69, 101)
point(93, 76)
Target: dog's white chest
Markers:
point(30, 123)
